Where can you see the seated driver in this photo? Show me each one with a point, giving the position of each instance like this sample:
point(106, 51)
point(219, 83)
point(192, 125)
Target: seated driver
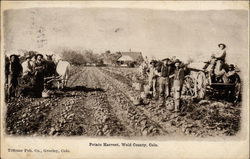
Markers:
point(216, 63)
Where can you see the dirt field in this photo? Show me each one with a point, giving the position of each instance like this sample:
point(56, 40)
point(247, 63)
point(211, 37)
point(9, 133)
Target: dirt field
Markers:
point(99, 102)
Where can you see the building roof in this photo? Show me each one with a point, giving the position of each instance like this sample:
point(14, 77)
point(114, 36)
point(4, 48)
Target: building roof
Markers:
point(130, 56)
point(125, 58)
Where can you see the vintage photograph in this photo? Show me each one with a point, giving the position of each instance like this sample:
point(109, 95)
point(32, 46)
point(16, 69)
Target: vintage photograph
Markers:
point(124, 72)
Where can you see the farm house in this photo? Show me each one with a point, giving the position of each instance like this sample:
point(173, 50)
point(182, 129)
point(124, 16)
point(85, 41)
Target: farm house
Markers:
point(130, 59)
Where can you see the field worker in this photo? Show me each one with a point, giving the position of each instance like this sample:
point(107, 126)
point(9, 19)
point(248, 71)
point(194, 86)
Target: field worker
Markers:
point(143, 69)
point(164, 82)
point(152, 77)
point(231, 76)
point(33, 61)
point(157, 70)
point(39, 75)
point(14, 71)
point(178, 83)
point(27, 66)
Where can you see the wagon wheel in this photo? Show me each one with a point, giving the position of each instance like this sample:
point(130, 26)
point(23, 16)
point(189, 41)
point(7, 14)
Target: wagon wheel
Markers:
point(201, 84)
point(188, 86)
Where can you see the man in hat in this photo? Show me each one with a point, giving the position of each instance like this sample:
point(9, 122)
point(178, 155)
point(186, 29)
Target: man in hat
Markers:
point(164, 81)
point(14, 71)
point(231, 75)
point(178, 83)
point(220, 57)
point(27, 66)
point(152, 77)
point(39, 68)
point(221, 53)
point(217, 61)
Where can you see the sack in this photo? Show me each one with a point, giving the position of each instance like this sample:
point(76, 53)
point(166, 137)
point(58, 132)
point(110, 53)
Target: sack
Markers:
point(137, 101)
point(45, 94)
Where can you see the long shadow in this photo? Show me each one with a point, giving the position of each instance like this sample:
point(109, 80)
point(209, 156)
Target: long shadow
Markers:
point(82, 89)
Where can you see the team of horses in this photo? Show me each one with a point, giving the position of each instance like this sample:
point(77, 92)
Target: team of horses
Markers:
point(57, 70)
point(54, 70)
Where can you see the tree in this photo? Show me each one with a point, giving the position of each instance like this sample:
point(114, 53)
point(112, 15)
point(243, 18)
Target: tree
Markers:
point(73, 57)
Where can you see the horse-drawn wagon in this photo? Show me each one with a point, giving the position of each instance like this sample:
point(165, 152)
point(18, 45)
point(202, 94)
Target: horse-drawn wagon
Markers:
point(28, 85)
point(198, 83)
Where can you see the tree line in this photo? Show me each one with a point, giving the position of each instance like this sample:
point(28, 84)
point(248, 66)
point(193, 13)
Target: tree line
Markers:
point(82, 57)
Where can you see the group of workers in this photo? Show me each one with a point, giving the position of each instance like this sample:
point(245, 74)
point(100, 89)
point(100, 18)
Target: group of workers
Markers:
point(32, 71)
point(166, 74)
point(163, 76)
point(169, 74)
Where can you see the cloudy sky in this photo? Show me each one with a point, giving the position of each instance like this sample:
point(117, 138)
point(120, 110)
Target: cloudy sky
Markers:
point(158, 33)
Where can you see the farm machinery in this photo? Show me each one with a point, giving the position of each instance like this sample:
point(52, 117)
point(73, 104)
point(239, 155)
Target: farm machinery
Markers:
point(199, 84)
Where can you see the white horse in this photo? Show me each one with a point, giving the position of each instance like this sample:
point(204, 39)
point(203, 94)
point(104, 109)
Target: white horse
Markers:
point(63, 70)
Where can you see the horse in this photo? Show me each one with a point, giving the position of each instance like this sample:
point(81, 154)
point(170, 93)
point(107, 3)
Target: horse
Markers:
point(63, 70)
point(50, 68)
point(58, 70)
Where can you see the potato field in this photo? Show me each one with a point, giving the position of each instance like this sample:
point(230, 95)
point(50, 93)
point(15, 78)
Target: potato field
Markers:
point(98, 101)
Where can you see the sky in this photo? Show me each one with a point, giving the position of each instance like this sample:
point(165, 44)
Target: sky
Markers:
point(156, 33)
